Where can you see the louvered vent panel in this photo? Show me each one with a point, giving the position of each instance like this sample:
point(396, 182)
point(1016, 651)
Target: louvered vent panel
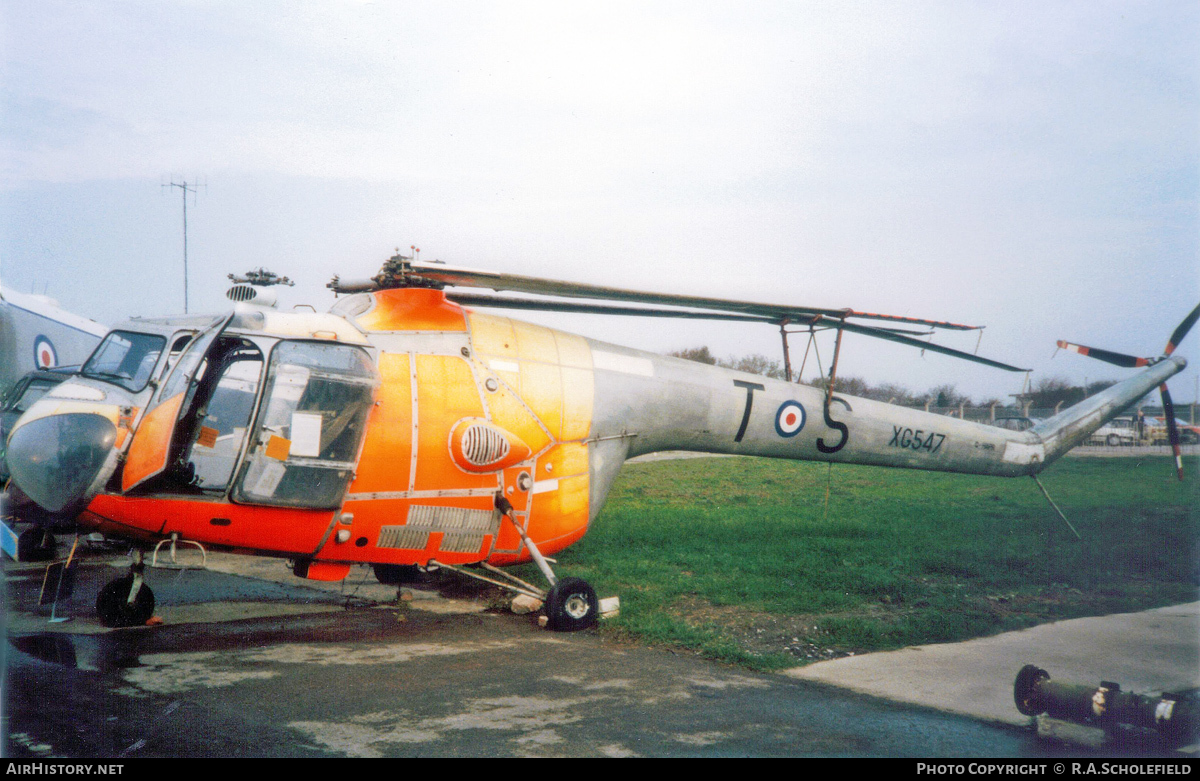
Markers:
point(241, 293)
point(403, 537)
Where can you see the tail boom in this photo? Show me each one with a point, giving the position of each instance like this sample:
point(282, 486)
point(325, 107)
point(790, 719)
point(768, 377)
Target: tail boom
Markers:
point(1076, 424)
point(657, 403)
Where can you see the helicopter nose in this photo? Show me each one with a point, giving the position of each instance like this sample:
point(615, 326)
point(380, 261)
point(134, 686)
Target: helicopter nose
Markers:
point(55, 459)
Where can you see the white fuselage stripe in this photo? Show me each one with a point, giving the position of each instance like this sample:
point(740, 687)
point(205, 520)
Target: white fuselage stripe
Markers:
point(626, 364)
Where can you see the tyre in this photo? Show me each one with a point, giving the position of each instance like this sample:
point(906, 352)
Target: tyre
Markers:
point(1113, 440)
point(36, 544)
point(113, 604)
point(398, 574)
point(571, 605)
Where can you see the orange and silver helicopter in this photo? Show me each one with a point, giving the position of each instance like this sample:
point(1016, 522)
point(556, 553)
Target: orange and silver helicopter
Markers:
point(406, 429)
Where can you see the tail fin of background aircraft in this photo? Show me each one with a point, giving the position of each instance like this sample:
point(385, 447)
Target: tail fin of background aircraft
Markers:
point(35, 333)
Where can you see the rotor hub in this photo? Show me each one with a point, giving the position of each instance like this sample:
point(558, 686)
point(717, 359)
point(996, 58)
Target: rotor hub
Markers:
point(397, 271)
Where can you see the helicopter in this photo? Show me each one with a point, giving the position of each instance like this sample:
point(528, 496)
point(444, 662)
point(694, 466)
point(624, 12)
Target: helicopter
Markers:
point(408, 430)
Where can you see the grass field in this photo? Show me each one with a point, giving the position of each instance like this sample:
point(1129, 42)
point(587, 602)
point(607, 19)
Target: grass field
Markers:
point(740, 560)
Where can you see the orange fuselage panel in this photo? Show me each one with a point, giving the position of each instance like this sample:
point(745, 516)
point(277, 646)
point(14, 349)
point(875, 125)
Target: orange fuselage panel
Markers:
point(280, 530)
point(413, 309)
point(410, 501)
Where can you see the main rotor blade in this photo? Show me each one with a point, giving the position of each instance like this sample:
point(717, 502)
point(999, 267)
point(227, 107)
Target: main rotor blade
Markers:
point(880, 333)
point(892, 335)
point(1117, 359)
point(470, 299)
point(1172, 427)
point(548, 305)
point(1182, 330)
point(449, 275)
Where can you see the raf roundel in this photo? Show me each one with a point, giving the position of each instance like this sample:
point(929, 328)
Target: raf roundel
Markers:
point(789, 419)
point(44, 355)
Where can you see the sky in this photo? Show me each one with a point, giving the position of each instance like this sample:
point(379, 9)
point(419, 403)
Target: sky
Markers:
point(1032, 167)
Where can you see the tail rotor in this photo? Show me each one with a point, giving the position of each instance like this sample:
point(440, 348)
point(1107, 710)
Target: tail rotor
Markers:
point(1132, 361)
point(1182, 330)
point(1172, 427)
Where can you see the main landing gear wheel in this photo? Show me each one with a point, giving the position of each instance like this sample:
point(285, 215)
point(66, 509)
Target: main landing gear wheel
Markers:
point(399, 574)
point(36, 544)
point(571, 605)
point(114, 608)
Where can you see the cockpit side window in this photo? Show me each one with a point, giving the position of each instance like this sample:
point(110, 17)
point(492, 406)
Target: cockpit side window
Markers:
point(125, 358)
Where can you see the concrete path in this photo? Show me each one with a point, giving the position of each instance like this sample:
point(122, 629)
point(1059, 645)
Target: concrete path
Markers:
point(1154, 651)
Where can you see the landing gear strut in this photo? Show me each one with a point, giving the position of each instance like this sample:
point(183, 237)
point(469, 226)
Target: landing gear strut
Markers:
point(127, 601)
point(569, 605)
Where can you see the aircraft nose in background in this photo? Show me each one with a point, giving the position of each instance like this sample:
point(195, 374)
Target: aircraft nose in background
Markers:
point(55, 459)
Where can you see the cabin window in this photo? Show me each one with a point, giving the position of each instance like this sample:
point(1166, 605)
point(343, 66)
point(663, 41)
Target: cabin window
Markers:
point(310, 425)
point(125, 358)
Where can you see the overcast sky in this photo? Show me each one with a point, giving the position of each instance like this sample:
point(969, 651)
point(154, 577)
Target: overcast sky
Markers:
point(1032, 167)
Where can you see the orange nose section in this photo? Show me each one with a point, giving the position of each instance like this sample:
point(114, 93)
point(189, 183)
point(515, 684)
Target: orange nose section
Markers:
point(478, 446)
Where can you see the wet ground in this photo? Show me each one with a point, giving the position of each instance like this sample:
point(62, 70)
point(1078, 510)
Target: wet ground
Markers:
point(358, 683)
point(251, 662)
point(245, 660)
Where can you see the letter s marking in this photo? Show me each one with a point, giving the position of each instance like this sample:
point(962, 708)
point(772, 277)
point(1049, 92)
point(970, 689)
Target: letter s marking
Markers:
point(831, 423)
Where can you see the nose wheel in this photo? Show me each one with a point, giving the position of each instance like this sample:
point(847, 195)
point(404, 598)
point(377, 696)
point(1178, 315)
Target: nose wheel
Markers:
point(35, 544)
point(126, 601)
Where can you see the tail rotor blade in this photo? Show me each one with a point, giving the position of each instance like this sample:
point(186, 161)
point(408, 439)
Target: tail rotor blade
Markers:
point(1182, 330)
point(1118, 359)
point(1172, 427)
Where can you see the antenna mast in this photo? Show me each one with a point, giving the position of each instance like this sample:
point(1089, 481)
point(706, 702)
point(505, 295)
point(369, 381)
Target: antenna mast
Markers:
point(186, 188)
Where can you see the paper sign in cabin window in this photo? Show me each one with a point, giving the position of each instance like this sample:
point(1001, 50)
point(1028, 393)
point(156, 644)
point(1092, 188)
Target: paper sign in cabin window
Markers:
point(207, 437)
point(306, 434)
point(278, 448)
point(268, 480)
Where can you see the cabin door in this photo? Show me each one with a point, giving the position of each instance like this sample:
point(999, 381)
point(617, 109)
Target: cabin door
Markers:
point(305, 444)
point(150, 451)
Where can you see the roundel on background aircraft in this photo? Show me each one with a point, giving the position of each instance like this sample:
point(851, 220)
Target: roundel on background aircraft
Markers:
point(44, 354)
point(479, 446)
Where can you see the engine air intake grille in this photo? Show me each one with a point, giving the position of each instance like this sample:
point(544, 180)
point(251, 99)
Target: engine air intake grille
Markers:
point(483, 445)
point(479, 446)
